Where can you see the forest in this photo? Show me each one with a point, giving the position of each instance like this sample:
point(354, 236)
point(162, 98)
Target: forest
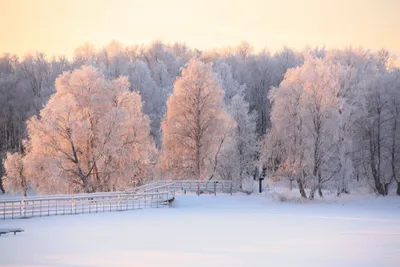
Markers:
point(114, 117)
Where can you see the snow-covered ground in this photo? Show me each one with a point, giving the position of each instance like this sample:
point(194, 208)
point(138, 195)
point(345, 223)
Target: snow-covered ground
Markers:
point(215, 231)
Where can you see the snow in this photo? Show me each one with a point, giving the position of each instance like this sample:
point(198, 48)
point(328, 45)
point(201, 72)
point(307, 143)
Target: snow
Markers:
point(209, 230)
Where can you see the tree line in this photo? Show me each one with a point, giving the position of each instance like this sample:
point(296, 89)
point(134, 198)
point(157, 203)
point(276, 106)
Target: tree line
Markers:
point(114, 117)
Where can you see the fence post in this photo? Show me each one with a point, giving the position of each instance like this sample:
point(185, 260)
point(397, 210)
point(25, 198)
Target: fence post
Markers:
point(215, 188)
point(231, 187)
point(118, 202)
point(23, 210)
point(82, 204)
point(90, 205)
point(73, 210)
point(4, 210)
point(198, 188)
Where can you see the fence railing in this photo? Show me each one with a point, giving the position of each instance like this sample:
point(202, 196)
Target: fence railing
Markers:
point(197, 186)
point(154, 186)
point(84, 203)
point(156, 194)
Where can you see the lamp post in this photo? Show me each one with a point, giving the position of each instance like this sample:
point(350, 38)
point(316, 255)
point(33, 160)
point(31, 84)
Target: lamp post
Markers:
point(260, 179)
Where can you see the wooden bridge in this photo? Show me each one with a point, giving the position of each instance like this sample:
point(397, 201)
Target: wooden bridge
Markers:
point(156, 194)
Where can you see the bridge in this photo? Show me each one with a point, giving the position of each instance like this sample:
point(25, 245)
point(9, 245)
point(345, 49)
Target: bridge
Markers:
point(155, 194)
point(198, 186)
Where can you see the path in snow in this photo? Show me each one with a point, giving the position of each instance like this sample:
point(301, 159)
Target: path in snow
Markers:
point(214, 231)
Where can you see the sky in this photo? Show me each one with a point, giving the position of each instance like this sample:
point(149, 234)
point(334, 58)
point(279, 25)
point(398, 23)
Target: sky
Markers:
point(57, 27)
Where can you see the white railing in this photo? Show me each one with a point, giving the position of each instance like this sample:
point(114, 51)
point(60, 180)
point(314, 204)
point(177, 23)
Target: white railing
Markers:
point(153, 186)
point(197, 186)
point(210, 186)
point(155, 194)
point(14, 208)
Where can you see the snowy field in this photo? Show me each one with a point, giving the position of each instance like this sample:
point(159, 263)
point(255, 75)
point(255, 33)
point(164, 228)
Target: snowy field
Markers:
point(215, 231)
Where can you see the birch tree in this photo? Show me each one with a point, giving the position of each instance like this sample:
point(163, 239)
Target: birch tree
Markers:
point(284, 147)
point(394, 132)
point(230, 86)
point(91, 136)
point(239, 151)
point(302, 123)
point(15, 181)
point(154, 97)
point(195, 124)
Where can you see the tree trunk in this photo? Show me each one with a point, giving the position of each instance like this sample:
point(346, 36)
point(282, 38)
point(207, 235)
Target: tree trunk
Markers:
point(386, 187)
point(216, 161)
point(301, 188)
point(319, 184)
point(398, 189)
point(1, 185)
point(379, 187)
point(312, 193)
point(1, 174)
point(342, 191)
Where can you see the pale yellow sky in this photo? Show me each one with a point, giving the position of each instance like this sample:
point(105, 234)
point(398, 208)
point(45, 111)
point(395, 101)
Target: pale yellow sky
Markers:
point(58, 26)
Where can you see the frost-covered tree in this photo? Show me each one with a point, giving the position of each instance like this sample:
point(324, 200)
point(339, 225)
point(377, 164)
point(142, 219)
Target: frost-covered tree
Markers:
point(35, 71)
point(365, 102)
point(84, 55)
point(365, 117)
point(15, 180)
point(195, 124)
point(357, 67)
point(91, 136)
point(113, 60)
point(239, 151)
point(230, 86)
point(24, 88)
point(302, 123)
point(153, 96)
point(378, 133)
point(259, 82)
point(284, 147)
point(258, 72)
point(393, 89)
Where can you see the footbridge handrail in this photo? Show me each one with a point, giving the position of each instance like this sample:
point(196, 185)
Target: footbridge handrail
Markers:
point(154, 194)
